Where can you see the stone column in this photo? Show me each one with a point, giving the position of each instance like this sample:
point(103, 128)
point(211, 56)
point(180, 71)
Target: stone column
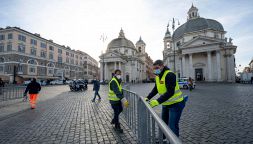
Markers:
point(218, 66)
point(101, 71)
point(190, 65)
point(120, 65)
point(183, 66)
point(115, 65)
point(209, 65)
point(106, 76)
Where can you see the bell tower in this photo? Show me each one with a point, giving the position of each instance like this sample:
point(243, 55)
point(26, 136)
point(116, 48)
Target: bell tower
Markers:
point(140, 45)
point(193, 13)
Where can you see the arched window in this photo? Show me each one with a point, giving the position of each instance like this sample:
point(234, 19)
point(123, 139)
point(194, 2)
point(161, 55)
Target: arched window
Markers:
point(32, 62)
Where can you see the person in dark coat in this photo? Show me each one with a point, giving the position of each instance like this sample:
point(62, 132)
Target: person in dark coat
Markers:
point(96, 87)
point(33, 88)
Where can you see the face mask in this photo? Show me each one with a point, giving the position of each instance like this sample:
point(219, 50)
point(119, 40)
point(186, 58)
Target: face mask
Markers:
point(118, 76)
point(157, 71)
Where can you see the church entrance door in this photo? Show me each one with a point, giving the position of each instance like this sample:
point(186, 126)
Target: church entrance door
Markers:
point(127, 78)
point(199, 74)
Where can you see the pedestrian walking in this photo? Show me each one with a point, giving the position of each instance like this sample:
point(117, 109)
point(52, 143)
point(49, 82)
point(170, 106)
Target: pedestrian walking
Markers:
point(96, 87)
point(116, 99)
point(171, 98)
point(190, 83)
point(33, 88)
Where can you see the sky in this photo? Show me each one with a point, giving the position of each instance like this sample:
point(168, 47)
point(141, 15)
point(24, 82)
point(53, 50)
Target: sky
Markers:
point(80, 23)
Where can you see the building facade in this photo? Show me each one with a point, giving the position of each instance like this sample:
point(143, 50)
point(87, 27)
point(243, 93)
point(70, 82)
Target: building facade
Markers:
point(199, 49)
point(24, 55)
point(132, 60)
point(251, 65)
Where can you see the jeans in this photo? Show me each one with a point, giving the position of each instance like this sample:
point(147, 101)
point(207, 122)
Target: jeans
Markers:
point(117, 109)
point(96, 94)
point(171, 115)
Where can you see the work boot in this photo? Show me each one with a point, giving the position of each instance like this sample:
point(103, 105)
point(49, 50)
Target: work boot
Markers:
point(118, 128)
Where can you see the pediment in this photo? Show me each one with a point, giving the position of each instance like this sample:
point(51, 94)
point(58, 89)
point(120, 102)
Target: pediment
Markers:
point(199, 41)
point(111, 54)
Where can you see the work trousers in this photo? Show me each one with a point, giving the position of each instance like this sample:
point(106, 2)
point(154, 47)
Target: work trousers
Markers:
point(171, 115)
point(33, 100)
point(117, 109)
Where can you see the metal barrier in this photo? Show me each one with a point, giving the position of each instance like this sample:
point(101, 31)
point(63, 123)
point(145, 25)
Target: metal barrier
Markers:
point(10, 93)
point(145, 123)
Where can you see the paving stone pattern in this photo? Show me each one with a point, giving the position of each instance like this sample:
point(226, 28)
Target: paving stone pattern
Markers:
point(69, 117)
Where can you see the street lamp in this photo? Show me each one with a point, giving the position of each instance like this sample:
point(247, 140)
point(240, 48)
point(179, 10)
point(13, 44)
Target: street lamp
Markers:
point(103, 38)
point(174, 49)
point(15, 69)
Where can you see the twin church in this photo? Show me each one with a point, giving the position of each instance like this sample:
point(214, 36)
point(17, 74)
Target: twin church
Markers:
point(197, 49)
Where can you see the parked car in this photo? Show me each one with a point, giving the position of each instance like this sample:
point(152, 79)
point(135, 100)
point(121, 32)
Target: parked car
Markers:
point(26, 82)
point(69, 81)
point(56, 82)
point(184, 83)
point(42, 83)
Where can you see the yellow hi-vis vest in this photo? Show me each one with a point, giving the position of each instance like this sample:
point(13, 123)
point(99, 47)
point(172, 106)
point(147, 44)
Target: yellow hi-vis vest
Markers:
point(161, 88)
point(111, 95)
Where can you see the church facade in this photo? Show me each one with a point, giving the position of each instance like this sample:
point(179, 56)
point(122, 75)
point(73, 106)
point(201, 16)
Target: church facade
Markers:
point(132, 60)
point(200, 50)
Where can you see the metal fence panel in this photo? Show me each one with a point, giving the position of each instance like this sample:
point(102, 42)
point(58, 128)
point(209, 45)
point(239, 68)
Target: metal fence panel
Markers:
point(145, 123)
point(10, 93)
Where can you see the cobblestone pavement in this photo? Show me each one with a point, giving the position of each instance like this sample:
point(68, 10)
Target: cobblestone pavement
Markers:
point(62, 117)
point(214, 113)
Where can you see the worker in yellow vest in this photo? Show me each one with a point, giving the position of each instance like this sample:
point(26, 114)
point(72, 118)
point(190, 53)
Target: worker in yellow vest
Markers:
point(171, 98)
point(116, 99)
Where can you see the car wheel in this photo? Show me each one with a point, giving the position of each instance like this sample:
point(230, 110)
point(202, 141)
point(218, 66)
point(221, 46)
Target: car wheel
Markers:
point(185, 87)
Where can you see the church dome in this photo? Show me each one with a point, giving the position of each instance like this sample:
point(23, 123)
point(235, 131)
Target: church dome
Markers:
point(121, 41)
point(196, 23)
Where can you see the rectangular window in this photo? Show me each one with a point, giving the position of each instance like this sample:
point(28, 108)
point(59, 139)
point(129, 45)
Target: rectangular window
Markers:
point(10, 36)
point(43, 45)
point(22, 38)
point(20, 68)
point(21, 48)
point(76, 62)
point(51, 71)
point(59, 59)
point(1, 48)
point(72, 55)
point(67, 60)
point(9, 47)
point(72, 61)
point(77, 56)
point(51, 55)
point(67, 53)
point(32, 69)
point(1, 68)
point(33, 51)
point(51, 48)
point(2, 37)
point(59, 51)
point(33, 42)
point(43, 54)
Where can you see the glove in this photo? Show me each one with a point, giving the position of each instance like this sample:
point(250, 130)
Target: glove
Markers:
point(153, 103)
point(146, 99)
point(125, 102)
point(25, 97)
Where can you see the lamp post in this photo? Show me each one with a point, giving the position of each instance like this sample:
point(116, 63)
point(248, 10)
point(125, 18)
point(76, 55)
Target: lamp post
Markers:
point(15, 72)
point(103, 38)
point(174, 49)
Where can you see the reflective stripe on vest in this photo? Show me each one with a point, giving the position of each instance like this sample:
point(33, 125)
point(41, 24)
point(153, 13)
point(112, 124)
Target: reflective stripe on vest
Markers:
point(161, 88)
point(111, 95)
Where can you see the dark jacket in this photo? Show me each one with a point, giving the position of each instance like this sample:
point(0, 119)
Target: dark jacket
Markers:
point(170, 83)
point(96, 85)
point(115, 89)
point(33, 88)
